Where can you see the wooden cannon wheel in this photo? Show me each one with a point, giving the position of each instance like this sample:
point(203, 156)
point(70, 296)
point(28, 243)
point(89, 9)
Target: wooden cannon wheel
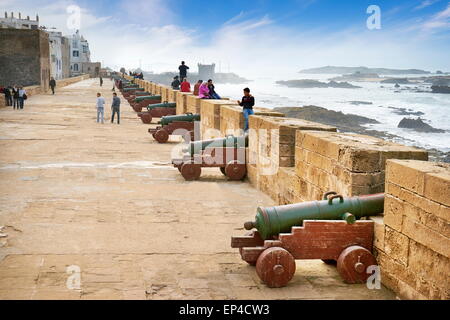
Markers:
point(275, 267)
point(162, 136)
point(353, 262)
point(235, 170)
point(191, 171)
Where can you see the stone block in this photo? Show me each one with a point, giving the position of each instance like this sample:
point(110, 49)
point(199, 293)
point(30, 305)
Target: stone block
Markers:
point(396, 245)
point(181, 101)
point(357, 153)
point(426, 236)
point(193, 104)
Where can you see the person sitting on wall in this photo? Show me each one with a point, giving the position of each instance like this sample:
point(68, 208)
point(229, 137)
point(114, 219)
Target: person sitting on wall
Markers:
point(52, 84)
point(212, 93)
point(197, 87)
point(203, 91)
point(176, 83)
point(248, 101)
point(185, 86)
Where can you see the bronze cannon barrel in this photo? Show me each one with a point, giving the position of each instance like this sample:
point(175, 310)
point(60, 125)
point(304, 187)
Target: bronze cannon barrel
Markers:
point(271, 221)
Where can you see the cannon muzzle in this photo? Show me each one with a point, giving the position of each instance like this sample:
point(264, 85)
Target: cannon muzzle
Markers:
point(271, 221)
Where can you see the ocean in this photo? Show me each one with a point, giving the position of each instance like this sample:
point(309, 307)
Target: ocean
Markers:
point(436, 107)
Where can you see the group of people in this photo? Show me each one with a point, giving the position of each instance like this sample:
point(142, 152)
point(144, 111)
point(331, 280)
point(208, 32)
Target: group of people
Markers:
point(206, 90)
point(137, 75)
point(15, 96)
point(115, 108)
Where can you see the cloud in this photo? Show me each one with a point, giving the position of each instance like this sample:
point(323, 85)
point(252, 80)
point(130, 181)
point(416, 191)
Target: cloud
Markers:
point(150, 12)
point(439, 21)
point(252, 45)
point(425, 4)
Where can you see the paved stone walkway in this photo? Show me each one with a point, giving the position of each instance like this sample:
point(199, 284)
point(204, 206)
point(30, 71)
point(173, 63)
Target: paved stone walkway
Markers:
point(101, 204)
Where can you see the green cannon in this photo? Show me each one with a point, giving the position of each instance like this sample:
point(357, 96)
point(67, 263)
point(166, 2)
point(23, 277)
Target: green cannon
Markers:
point(189, 117)
point(271, 221)
point(129, 85)
point(230, 141)
point(148, 97)
point(133, 89)
point(161, 105)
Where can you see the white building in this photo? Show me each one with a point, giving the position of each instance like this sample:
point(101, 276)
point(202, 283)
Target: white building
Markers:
point(19, 23)
point(79, 53)
point(56, 64)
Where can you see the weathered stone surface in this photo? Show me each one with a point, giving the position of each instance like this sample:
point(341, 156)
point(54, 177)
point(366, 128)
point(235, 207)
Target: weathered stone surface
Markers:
point(357, 153)
point(193, 104)
point(25, 56)
point(211, 118)
point(182, 102)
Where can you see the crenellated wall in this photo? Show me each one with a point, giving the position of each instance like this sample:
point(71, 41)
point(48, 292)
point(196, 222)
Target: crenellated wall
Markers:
point(294, 160)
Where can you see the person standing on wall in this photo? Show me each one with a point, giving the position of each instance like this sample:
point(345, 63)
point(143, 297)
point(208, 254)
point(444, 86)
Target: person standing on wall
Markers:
point(183, 70)
point(22, 97)
point(248, 101)
point(115, 108)
point(100, 108)
point(101, 81)
point(185, 86)
point(52, 85)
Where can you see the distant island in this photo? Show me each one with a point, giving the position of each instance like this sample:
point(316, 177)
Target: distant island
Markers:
point(308, 83)
point(361, 70)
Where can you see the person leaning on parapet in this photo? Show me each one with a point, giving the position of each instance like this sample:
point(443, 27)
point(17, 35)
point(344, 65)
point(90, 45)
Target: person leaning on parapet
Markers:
point(212, 92)
point(185, 86)
point(248, 101)
point(115, 108)
point(197, 87)
point(100, 108)
point(183, 70)
point(176, 83)
point(52, 84)
point(203, 92)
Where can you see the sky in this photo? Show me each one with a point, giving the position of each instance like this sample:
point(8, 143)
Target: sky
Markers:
point(254, 38)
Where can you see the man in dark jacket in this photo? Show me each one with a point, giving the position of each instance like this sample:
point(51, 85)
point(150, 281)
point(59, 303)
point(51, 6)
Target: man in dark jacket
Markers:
point(15, 95)
point(8, 96)
point(183, 70)
point(115, 108)
point(212, 90)
point(248, 101)
point(52, 84)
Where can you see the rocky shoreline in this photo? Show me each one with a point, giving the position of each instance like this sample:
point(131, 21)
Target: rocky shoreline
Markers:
point(350, 123)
